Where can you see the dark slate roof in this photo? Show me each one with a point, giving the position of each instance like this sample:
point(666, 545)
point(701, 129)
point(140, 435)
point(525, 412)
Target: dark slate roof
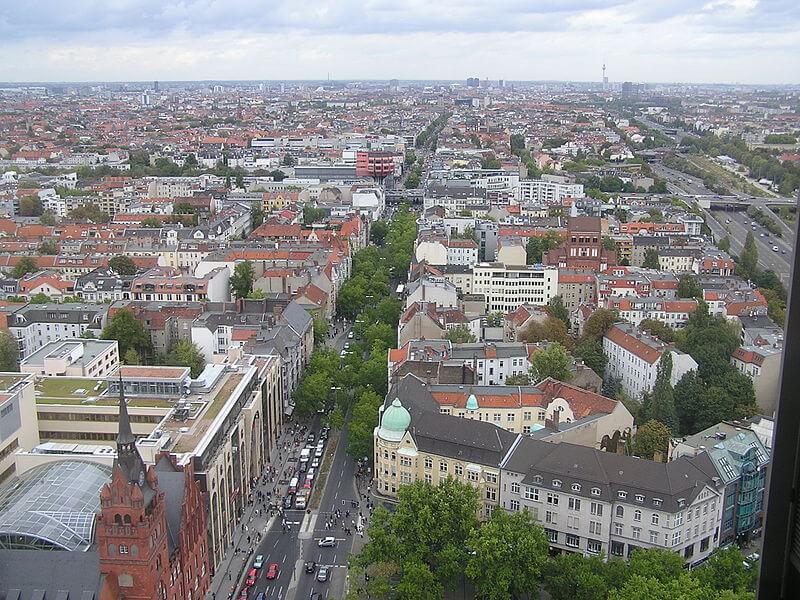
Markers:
point(23, 572)
point(680, 479)
point(297, 317)
point(172, 482)
point(462, 439)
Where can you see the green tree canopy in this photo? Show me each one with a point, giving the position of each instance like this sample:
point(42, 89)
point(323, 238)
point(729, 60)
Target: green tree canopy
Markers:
point(241, 281)
point(185, 354)
point(650, 438)
point(598, 323)
point(9, 351)
point(508, 555)
point(122, 265)
point(651, 259)
point(688, 287)
point(591, 351)
point(460, 334)
point(25, 265)
point(552, 361)
point(129, 333)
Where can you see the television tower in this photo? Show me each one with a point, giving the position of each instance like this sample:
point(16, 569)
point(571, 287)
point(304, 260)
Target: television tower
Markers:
point(605, 79)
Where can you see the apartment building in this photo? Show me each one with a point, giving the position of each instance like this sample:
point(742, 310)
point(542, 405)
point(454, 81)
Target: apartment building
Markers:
point(575, 287)
point(674, 313)
point(740, 460)
point(603, 504)
point(633, 356)
point(506, 287)
point(432, 289)
point(35, 325)
point(549, 193)
point(164, 284)
point(762, 364)
point(73, 358)
point(17, 419)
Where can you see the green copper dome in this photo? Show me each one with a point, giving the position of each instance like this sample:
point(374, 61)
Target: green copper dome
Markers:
point(394, 422)
point(472, 402)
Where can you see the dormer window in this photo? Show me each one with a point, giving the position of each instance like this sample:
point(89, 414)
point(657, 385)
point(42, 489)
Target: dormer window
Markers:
point(656, 501)
point(595, 491)
point(576, 487)
point(556, 483)
point(622, 494)
point(639, 498)
point(537, 479)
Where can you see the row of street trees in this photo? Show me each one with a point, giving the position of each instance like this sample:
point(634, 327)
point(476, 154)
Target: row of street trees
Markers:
point(433, 542)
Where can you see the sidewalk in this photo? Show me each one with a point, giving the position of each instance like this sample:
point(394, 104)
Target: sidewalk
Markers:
point(232, 568)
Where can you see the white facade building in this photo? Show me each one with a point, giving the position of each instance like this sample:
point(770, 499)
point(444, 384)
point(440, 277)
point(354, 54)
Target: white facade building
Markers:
point(507, 287)
point(547, 192)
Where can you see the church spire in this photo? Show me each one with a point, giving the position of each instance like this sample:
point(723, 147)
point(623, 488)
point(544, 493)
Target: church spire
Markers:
point(125, 434)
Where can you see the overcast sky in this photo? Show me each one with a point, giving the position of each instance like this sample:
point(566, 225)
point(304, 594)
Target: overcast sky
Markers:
point(745, 41)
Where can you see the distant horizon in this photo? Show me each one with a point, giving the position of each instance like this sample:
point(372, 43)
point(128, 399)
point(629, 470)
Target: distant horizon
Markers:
point(462, 81)
point(725, 42)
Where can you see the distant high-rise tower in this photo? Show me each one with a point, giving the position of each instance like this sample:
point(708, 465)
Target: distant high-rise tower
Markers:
point(605, 79)
point(155, 87)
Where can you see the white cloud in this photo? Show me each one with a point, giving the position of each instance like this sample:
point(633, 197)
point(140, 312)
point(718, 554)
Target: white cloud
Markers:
point(642, 40)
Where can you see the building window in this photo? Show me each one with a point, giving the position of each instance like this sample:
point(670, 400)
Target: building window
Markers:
point(574, 503)
point(622, 494)
point(596, 509)
point(515, 488)
point(594, 546)
point(571, 540)
point(656, 501)
point(428, 463)
point(676, 538)
point(637, 515)
point(550, 516)
point(654, 519)
point(552, 536)
point(595, 527)
point(552, 499)
point(620, 512)
point(576, 487)
point(617, 528)
point(123, 549)
point(491, 493)
point(458, 470)
point(531, 493)
point(514, 505)
point(636, 532)
point(428, 478)
point(639, 498)
point(556, 483)
point(443, 467)
point(617, 548)
point(653, 537)
point(573, 522)
point(595, 491)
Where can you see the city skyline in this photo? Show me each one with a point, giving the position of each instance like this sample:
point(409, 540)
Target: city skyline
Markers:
point(721, 41)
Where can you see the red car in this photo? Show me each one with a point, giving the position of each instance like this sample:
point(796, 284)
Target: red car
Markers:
point(252, 575)
point(272, 571)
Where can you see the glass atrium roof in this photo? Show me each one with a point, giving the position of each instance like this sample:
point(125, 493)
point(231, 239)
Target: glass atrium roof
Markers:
point(52, 506)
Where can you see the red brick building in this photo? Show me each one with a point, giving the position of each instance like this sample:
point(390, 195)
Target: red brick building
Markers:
point(151, 531)
point(374, 164)
point(583, 248)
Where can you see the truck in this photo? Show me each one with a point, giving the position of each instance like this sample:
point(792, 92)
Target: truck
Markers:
point(301, 499)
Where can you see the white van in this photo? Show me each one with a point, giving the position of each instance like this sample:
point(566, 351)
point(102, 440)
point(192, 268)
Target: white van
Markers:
point(293, 485)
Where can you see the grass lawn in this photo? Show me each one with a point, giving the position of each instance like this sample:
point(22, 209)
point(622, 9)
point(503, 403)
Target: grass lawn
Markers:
point(6, 381)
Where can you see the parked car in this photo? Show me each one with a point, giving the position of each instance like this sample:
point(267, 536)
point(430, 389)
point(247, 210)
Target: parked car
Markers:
point(310, 566)
point(259, 561)
point(252, 575)
point(322, 574)
point(272, 571)
point(327, 542)
point(310, 438)
point(315, 463)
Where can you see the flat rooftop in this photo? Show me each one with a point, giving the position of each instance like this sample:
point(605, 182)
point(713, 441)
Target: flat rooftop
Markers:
point(187, 434)
point(9, 380)
point(84, 391)
point(91, 350)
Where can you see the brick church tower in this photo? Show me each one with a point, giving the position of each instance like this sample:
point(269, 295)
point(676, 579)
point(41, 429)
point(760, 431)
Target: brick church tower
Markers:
point(151, 541)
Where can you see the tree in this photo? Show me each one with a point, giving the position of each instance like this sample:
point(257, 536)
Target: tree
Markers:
point(131, 357)
point(553, 362)
point(650, 438)
point(660, 404)
point(518, 379)
point(48, 218)
point(241, 281)
point(30, 206)
point(321, 328)
point(418, 583)
point(9, 351)
point(460, 334)
point(591, 351)
point(90, 212)
point(557, 309)
point(598, 323)
point(508, 554)
point(312, 215)
point(151, 223)
point(378, 232)
point(129, 333)
point(40, 298)
point(256, 216)
point(256, 295)
point(538, 245)
point(122, 265)
point(651, 259)
point(24, 265)
point(725, 244)
point(688, 288)
point(575, 577)
point(725, 569)
point(312, 393)
point(658, 329)
point(88, 334)
point(748, 259)
point(186, 354)
point(288, 160)
point(549, 330)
